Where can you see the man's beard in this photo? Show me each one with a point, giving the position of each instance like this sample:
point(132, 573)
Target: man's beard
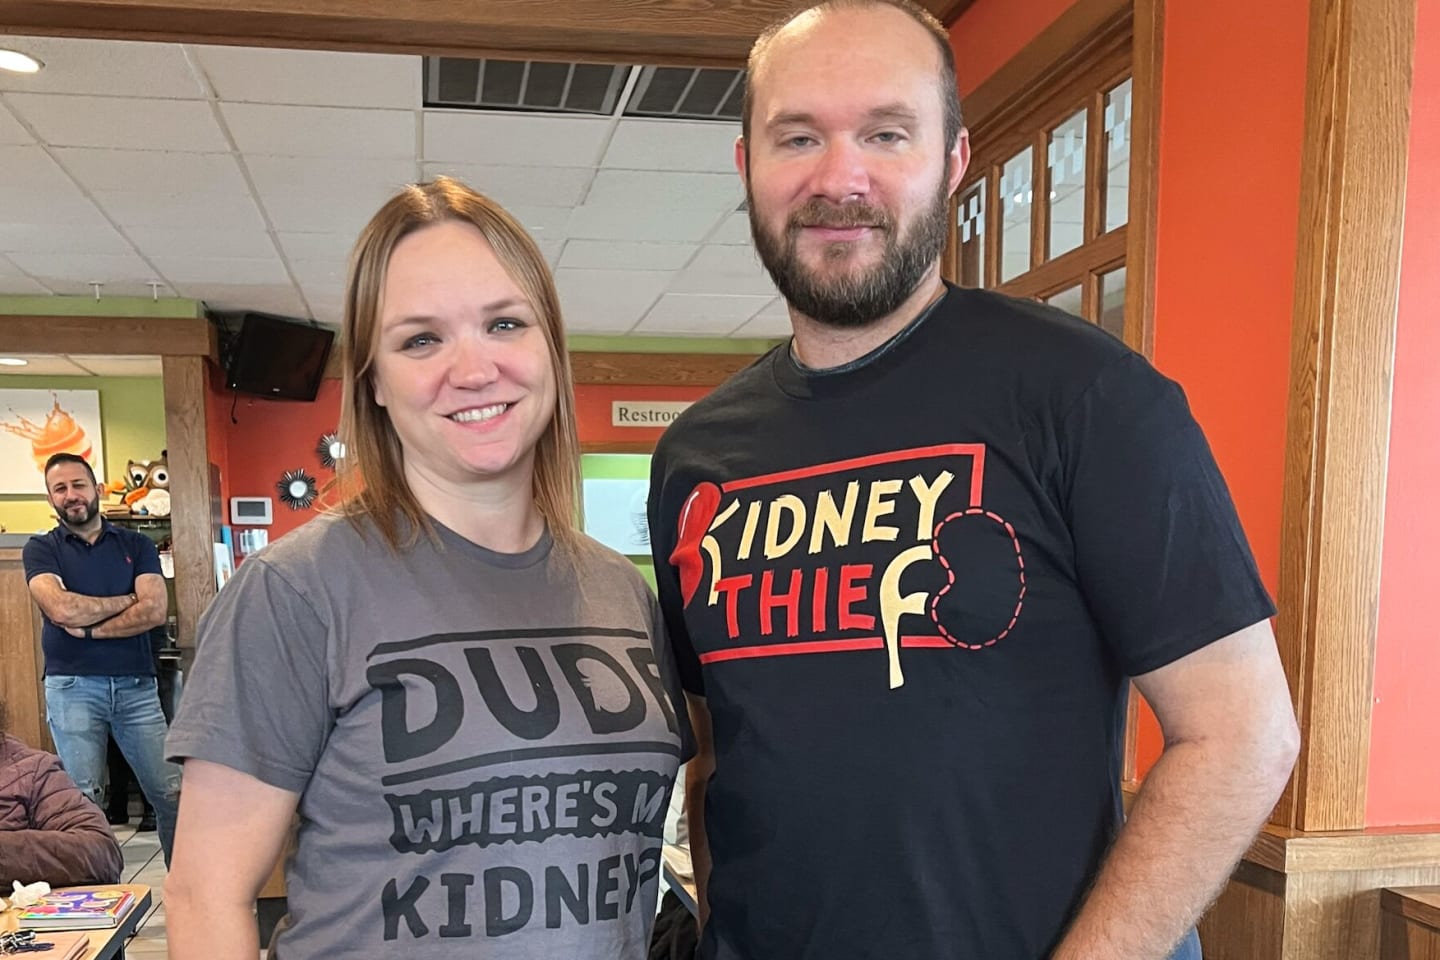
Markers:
point(860, 297)
point(92, 507)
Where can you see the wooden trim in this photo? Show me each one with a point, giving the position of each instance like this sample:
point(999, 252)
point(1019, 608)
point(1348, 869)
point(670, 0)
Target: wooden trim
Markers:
point(618, 446)
point(1068, 269)
point(950, 258)
point(109, 336)
point(1039, 191)
point(994, 226)
point(190, 491)
point(1418, 904)
point(1352, 192)
point(1096, 180)
point(1291, 851)
point(1148, 45)
point(1052, 52)
point(619, 31)
point(658, 369)
point(948, 11)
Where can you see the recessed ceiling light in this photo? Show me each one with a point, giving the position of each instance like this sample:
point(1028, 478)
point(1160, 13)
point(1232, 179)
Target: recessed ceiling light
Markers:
point(17, 62)
point(13, 362)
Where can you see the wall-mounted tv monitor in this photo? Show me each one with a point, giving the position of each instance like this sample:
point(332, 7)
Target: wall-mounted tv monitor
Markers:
point(279, 358)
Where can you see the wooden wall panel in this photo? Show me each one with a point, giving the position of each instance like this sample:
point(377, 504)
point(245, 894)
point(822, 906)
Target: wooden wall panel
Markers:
point(190, 491)
point(623, 31)
point(21, 669)
point(1346, 288)
point(1335, 915)
point(1410, 924)
point(1247, 922)
point(674, 369)
point(124, 336)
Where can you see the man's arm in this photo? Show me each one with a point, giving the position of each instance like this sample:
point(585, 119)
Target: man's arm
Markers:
point(697, 777)
point(1230, 744)
point(75, 610)
point(149, 610)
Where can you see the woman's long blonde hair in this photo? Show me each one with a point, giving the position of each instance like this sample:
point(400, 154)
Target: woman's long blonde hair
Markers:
point(370, 477)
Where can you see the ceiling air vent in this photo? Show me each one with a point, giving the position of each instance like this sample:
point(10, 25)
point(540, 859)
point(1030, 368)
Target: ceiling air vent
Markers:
point(525, 85)
point(687, 93)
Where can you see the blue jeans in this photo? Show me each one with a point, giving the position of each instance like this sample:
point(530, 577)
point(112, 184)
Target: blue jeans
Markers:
point(84, 711)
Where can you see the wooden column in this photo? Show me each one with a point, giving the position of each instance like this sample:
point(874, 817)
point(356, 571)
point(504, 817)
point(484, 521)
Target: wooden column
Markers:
point(1352, 193)
point(190, 520)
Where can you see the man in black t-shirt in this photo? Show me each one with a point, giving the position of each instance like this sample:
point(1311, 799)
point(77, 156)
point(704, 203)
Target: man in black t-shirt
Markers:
point(101, 591)
point(911, 561)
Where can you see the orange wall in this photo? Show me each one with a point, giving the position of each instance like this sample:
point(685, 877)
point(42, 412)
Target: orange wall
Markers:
point(1404, 785)
point(993, 31)
point(1232, 122)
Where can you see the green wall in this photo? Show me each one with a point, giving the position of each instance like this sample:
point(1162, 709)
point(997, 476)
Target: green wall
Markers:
point(621, 466)
point(132, 425)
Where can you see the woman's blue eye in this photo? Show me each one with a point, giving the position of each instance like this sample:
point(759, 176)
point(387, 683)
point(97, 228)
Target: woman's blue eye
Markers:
point(419, 340)
point(506, 323)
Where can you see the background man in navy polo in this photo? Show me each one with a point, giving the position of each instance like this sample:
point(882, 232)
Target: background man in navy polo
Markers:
point(101, 591)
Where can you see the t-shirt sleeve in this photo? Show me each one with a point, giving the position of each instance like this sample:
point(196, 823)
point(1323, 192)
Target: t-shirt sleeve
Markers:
point(664, 520)
point(1160, 553)
point(670, 676)
point(39, 557)
point(147, 557)
point(258, 697)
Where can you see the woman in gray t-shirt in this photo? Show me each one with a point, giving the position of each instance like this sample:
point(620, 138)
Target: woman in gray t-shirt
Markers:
point(467, 704)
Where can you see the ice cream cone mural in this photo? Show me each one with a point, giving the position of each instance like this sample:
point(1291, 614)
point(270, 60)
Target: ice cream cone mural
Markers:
point(32, 431)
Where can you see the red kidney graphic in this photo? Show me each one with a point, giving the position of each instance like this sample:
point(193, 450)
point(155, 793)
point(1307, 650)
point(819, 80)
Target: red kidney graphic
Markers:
point(695, 519)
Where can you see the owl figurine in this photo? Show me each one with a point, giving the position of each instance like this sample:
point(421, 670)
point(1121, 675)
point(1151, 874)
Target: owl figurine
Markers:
point(147, 486)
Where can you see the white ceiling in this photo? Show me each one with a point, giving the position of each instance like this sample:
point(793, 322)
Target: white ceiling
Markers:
point(241, 177)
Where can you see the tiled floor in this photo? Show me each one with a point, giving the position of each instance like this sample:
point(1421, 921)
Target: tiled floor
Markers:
point(143, 864)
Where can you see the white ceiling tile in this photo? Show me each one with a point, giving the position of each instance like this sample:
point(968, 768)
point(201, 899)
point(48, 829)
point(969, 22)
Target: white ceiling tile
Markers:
point(340, 132)
point(551, 250)
point(673, 145)
point(180, 173)
point(283, 300)
point(134, 124)
point(52, 238)
point(83, 267)
point(184, 271)
point(46, 365)
point(509, 140)
point(608, 301)
point(316, 246)
point(103, 366)
point(647, 224)
point(618, 255)
point(135, 208)
point(700, 314)
point(312, 176)
point(765, 325)
point(313, 77)
point(682, 194)
point(701, 282)
point(11, 132)
point(113, 68)
point(519, 186)
point(734, 230)
point(201, 242)
point(8, 269)
point(320, 273)
point(329, 295)
point(18, 285)
point(543, 222)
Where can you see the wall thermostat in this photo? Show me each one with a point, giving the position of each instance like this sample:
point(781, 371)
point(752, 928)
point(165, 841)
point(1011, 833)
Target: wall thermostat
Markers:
point(252, 511)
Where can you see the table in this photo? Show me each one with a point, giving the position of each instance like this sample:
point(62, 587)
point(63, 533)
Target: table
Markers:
point(679, 875)
point(104, 943)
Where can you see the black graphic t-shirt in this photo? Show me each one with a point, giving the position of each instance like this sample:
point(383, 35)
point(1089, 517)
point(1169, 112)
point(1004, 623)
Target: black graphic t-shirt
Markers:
point(912, 594)
point(484, 744)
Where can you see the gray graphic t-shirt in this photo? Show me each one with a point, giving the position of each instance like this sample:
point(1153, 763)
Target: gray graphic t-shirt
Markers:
point(484, 744)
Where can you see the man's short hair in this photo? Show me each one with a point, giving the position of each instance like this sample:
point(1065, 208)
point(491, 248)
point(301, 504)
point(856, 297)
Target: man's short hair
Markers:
point(949, 86)
point(59, 458)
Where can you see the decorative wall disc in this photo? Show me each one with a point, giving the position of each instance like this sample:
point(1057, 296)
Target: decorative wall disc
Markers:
point(330, 449)
point(297, 489)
